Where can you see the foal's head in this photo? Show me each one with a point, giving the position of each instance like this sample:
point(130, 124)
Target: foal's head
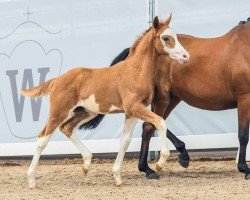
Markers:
point(166, 41)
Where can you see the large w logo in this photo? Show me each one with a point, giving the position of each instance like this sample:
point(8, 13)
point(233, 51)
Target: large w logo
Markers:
point(27, 82)
point(28, 65)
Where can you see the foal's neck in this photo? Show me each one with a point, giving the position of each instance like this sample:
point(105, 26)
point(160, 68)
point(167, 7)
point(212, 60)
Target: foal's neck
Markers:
point(144, 58)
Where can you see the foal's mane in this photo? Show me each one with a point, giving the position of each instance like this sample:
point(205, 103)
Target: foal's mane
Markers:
point(138, 40)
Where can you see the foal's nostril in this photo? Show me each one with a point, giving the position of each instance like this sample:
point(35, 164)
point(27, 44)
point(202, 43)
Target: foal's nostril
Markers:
point(185, 56)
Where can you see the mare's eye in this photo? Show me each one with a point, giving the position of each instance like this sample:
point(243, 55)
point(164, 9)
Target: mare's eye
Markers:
point(165, 39)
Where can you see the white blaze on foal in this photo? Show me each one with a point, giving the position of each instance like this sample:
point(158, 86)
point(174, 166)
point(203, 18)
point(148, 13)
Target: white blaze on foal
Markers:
point(177, 52)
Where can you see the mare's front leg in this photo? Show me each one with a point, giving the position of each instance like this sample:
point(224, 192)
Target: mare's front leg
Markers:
point(243, 135)
point(126, 136)
point(148, 130)
point(159, 106)
point(183, 157)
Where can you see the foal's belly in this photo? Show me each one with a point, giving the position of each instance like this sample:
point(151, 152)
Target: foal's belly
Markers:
point(94, 106)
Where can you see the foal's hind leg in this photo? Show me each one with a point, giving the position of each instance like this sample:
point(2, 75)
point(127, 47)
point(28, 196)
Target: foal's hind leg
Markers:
point(58, 113)
point(42, 142)
point(243, 135)
point(79, 117)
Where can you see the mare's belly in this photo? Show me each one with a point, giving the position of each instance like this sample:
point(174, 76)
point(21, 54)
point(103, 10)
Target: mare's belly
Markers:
point(207, 101)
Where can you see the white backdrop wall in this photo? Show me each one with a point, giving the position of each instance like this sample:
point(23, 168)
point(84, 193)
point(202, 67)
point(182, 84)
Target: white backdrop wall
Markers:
point(41, 39)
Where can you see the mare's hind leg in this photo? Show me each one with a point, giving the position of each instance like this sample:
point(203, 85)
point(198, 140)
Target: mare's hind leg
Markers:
point(79, 117)
point(243, 135)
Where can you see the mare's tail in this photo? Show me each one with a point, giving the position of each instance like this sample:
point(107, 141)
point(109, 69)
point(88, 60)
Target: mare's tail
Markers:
point(92, 124)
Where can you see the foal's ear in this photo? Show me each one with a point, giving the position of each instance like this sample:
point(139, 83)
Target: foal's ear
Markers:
point(168, 20)
point(156, 23)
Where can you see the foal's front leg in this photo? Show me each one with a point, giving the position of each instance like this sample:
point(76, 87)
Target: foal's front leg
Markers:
point(140, 111)
point(126, 136)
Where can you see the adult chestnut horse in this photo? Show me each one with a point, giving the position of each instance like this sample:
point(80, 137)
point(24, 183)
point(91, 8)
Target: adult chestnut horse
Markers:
point(217, 77)
point(81, 94)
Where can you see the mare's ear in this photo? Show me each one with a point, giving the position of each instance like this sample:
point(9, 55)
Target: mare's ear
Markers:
point(168, 20)
point(156, 23)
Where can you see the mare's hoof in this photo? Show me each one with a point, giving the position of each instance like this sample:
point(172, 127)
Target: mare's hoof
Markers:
point(183, 162)
point(153, 176)
point(247, 177)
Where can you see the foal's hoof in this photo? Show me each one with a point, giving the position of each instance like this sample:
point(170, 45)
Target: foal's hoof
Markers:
point(158, 168)
point(183, 162)
point(32, 186)
point(84, 171)
point(119, 185)
point(247, 177)
point(153, 176)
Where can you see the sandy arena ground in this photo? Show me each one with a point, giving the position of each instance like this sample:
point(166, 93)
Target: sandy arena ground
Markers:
point(203, 180)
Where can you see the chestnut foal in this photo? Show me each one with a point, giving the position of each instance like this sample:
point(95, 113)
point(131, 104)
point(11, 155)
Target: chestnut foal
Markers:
point(127, 87)
point(217, 80)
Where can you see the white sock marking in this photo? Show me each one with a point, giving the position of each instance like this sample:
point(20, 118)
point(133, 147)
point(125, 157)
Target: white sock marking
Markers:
point(125, 140)
point(41, 144)
point(86, 154)
point(164, 144)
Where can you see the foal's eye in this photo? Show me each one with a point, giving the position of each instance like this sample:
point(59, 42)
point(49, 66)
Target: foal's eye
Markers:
point(165, 39)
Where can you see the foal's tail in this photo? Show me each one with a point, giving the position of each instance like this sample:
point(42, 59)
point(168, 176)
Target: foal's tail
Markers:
point(40, 90)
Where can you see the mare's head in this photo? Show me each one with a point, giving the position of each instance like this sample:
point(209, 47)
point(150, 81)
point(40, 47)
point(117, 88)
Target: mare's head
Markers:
point(166, 41)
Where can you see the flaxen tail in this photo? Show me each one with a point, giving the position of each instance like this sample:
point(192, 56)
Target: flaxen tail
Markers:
point(40, 90)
